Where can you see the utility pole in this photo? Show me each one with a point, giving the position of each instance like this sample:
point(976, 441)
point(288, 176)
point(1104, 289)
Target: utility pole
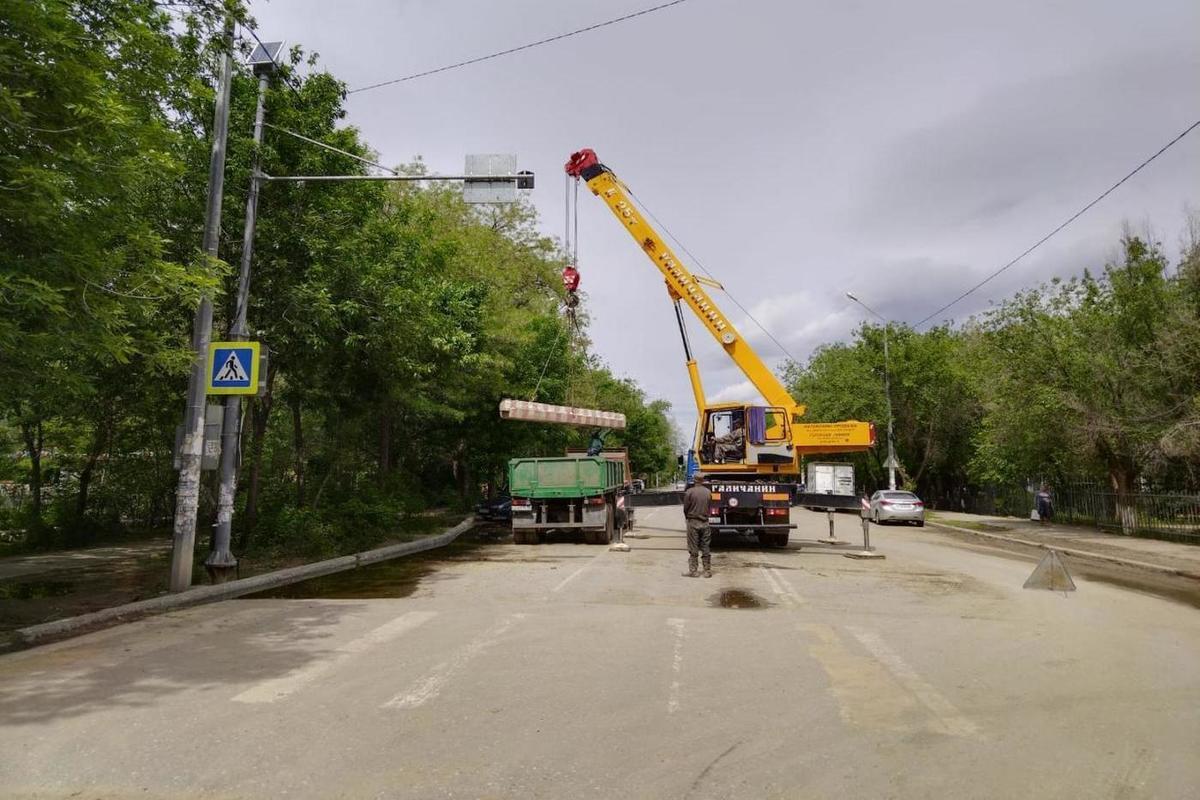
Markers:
point(221, 563)
point(887, 391)
point(187, 495)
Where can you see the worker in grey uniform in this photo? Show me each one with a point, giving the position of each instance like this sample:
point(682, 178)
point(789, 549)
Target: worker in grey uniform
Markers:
point(699, 535)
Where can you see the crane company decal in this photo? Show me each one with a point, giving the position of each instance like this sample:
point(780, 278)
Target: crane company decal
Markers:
point(834, 433)
point(749, 488)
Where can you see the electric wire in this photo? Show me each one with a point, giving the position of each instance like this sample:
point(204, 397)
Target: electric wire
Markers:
point(1073, 217)
point(302, 137)
point(512, 50)
point(704, 269)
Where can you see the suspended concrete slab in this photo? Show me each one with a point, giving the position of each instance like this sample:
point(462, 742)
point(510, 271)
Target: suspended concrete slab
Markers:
point(560, 415)
point(1051, 573)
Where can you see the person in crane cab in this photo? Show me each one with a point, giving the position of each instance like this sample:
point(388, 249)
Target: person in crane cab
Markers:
point(699, 535)
point(730, 446)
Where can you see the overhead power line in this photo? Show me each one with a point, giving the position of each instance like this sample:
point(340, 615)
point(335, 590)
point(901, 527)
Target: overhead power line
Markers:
point(512, 50)
point(1072, 218)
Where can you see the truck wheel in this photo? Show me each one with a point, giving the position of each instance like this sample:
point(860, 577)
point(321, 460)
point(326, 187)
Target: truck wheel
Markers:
point(773, 539)
point(610, 523)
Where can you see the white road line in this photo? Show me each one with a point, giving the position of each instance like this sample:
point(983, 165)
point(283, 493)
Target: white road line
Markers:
point(277, 688)
point(780, 585)
point(430, 686)
point(949, 717)
point(676, 665)
point(562, 584)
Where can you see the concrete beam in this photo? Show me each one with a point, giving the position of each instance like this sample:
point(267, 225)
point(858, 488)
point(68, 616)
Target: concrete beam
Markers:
point(560, 415)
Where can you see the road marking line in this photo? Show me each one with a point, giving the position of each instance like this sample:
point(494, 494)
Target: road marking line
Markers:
point(676, 664)
point(780, 585)
point(277, 688)
point(430, 686)
point(951, 720)
point(562, 585)
point(867, 695)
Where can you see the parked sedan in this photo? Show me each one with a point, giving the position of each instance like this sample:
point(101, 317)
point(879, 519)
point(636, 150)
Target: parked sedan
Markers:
point(498, 509)
point(893, 506)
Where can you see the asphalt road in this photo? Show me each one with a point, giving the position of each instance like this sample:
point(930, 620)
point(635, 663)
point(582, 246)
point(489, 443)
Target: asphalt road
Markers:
point(564, 670)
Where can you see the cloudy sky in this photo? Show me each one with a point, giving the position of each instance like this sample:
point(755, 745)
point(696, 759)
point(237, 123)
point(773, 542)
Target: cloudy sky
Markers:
point(899, 150)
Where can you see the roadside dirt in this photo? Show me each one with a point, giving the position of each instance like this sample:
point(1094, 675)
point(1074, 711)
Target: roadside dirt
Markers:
point(1158, 584)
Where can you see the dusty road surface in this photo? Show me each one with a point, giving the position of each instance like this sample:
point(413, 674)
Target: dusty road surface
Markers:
point(564, 670)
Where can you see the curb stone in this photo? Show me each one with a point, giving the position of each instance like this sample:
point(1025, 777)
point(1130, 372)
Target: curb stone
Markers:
point(1128, 562)
point(227, 591)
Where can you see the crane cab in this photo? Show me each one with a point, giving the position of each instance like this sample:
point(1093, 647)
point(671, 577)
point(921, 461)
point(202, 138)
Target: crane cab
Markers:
point(746, 438)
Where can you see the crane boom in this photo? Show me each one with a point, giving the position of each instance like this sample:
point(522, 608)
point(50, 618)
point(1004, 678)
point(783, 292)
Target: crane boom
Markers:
point(681, 282)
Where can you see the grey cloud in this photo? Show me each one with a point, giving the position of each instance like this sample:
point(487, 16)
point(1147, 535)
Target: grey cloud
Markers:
point(898, 150)
point(1066, 135)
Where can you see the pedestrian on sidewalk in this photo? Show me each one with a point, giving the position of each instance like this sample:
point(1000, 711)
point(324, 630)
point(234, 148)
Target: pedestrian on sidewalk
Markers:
point(1045, 505)
point(699, 535)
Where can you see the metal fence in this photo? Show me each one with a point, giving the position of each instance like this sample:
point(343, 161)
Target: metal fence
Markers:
point(1171, 516)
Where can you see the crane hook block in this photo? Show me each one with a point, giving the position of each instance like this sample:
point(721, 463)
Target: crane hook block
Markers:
point(570, 278)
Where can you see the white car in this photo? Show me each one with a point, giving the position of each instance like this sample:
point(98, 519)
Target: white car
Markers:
point(894, 506)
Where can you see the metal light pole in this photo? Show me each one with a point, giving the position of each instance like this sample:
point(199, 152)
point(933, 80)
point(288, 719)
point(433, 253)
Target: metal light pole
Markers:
point(221, 563)
point(887, 390)
point(187, 494)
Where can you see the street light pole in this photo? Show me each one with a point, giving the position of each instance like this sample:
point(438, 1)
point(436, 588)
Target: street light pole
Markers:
point(221, 562)
point(187, 494)
point(887, 391)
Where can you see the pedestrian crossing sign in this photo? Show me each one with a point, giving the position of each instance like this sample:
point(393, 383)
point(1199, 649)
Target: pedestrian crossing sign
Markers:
point(233, 368)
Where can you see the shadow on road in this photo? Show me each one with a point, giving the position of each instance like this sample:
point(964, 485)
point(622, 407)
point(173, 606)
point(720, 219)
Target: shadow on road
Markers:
point(169, 655)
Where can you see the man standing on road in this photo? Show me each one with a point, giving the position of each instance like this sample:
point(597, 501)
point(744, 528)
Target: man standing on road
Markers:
point(699, 535)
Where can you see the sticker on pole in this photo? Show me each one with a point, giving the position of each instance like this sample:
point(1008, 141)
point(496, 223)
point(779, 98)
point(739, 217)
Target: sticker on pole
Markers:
point(233, 368)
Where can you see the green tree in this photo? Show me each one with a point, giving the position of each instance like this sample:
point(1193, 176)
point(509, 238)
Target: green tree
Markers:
point(88, 137)
point(1087, 374)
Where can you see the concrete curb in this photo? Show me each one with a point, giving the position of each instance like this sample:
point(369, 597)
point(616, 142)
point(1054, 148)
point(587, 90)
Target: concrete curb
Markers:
point(1128, 562)
point(227, 591)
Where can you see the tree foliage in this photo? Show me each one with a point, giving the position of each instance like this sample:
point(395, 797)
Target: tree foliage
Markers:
point(397, 317)
point(1096, 378)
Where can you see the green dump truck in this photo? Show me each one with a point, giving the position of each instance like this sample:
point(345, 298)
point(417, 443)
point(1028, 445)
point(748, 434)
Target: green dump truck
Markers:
point(574, 492)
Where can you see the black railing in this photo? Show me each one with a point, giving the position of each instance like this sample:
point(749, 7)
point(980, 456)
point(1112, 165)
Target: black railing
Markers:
point(1171, 516)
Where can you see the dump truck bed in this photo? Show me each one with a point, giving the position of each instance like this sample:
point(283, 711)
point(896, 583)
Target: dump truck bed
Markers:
point(570, 476)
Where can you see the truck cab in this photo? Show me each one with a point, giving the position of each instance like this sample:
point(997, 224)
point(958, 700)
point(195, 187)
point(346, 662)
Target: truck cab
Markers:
point(746, 438)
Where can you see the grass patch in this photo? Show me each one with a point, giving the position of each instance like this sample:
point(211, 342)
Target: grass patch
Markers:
point(985, 527)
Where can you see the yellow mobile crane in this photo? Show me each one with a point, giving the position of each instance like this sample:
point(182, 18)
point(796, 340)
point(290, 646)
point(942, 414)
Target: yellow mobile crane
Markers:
point(750, 453)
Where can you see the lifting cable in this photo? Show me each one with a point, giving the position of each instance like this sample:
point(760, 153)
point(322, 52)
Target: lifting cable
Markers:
point(550, 355)
point(571, 253)
point(704, 269)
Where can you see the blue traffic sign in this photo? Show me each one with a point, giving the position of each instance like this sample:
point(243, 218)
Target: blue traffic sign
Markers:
point(233, 368)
